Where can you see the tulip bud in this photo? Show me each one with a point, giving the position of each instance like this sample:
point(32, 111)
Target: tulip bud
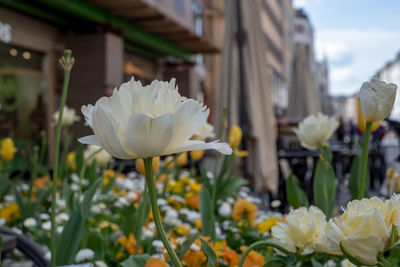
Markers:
point(377, 99)
point(169, 162)
point(196, 155)
point(139, 163)
point(235, 136)
point(7, 149)
point(182, 159)
point(361, 121)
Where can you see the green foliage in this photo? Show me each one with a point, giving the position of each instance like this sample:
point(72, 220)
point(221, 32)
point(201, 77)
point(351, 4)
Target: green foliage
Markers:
point(211, 257)
point(285, 261)
point(324, 185)
point(186, 245)
point(355, 175)
point(205, 207)
point(136, 261)
point(73, 230)
point(294, 194)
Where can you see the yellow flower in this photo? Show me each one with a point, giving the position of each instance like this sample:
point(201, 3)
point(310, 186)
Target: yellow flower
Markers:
point(234, 140)
point(244, 210)
point(266, 225)
point(195, 187)
point(71, 163)
point(105, 224)
point(182, 159)
point(7, 149)
point(11, 212)
point(139, 163)
point(361, 121)
point(108, 174)
point(156, 262)
point(196, 155)
point(169, 162)
point(197, 223)
point(183, 230)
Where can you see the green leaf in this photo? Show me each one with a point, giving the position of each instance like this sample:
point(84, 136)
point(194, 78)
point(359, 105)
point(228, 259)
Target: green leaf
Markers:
point(97, 244)
point(87, 199)
point(355, 177)
point(229, 186)
point(136, 261)
point(73, 230)
point(393, 238)
point(295, 195)
point(79, 160)
point(186, 245)
point(324, 185)
point(205, 211)
point(69, 239)
point(211, 257)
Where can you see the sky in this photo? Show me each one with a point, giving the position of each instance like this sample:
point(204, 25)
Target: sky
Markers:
point(358, 37)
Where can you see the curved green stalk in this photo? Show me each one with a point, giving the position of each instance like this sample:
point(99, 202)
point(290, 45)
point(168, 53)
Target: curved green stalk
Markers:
point(260, 243)
point(364, 165)
point(148, 165)
point(67, 61)
point(214, 186)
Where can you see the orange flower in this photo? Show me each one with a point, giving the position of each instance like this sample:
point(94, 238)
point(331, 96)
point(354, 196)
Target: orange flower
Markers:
point(156, 262)
point(129, 244)
point(253, 259)
point(39, 182)
point(193, 201)
point(244, 210)
point(194, 258)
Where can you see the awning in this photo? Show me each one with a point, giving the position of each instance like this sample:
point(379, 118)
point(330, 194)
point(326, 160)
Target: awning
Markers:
point(142, 14)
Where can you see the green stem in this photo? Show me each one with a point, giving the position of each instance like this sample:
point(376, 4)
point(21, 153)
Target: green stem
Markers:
point(364, 165)
point(260, 243)
point(148, 165)
point(214, 186)
point(67, 70)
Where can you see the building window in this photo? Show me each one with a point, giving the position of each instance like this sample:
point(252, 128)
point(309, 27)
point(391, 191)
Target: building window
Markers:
point(198, 17)
point(180, 6)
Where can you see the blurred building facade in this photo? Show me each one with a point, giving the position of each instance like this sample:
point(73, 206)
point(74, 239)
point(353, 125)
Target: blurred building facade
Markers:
point(111, 42)
point(390, 73)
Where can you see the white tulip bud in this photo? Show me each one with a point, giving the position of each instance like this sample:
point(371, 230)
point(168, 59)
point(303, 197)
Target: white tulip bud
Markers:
point(377, 99)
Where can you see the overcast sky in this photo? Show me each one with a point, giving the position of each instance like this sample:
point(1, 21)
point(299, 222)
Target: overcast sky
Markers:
point(357, 36)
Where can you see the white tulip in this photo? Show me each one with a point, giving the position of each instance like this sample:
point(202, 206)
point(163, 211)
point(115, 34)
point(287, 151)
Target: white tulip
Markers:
point(364, 228)
point(147, 121)
point(101, 158)
point(68, 118)
point(314, 131)
point(303, 231)
point(377, 99)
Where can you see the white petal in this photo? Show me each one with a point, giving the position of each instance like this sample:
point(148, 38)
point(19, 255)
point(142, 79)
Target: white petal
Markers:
point(89, 140)
point(189, 145)
point(106, 134)
point(148, 136)
point(189, 117)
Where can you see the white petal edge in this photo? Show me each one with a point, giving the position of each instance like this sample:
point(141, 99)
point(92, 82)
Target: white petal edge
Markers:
point(190, 145)
point(89, 140)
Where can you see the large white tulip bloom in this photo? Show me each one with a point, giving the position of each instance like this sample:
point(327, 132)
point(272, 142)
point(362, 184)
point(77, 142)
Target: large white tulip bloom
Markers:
point(302, 232)
point(377, 99)
point(147, 121)
point(364, 228)
point(314, 131)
